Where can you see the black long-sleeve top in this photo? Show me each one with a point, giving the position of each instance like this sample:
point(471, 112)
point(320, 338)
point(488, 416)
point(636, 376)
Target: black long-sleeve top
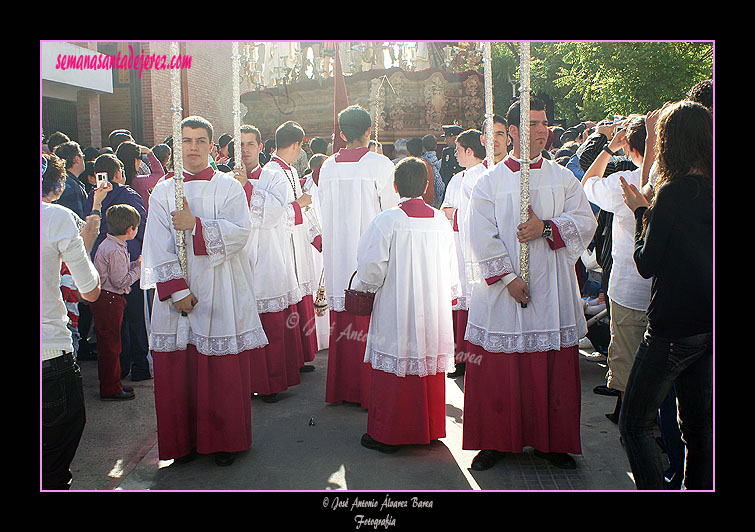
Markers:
point(677, 252)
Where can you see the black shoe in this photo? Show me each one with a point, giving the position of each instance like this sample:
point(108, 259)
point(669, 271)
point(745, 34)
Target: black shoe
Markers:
point(306, 369)
point(185, 459)
point(370, 443)
point(224, 459)
point(123, 396)
point(127, 388)
point(562, 460)
point(461, 368)
point(272, 398)
point(605, 390)
point(613, 417)
point(486, 459)
point(137, 379)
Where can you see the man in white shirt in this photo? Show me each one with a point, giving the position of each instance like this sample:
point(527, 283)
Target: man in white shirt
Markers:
point(523, 388)
point(205, 327)
point(355, 185)
point(628, 292)
point(63, 411)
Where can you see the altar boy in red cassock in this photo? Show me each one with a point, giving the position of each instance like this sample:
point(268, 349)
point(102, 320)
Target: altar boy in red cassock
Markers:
point(355, 184)
point(524, 387)
point(407, 257)
point(204, 328)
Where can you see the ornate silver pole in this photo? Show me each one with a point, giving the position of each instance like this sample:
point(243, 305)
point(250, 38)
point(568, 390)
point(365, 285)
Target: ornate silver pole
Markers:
point(236, 67)
point(487, 61)
point(175, 87)
point(524, 154)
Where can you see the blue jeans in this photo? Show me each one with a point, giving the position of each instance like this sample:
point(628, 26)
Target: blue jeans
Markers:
point(660, 363)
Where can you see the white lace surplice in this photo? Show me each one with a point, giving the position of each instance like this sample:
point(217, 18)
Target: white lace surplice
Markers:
point(272, 249)
point(351, 194)
point(411, 264)
point(225, 319)
point(553, 319)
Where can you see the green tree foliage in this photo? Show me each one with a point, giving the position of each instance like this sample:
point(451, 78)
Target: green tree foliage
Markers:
point(595, 80)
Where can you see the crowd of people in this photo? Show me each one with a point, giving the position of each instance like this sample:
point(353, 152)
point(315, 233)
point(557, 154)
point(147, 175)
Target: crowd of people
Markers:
point(406, 269)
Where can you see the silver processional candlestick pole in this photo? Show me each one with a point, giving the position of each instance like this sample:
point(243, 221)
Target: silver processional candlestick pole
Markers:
point(236, 67)
point(488, 70)
point(177, 110)
point(524, 154)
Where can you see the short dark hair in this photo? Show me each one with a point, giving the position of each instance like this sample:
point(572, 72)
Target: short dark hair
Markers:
point(287, 134)
point(127, 153)
point(224, 139)
point(429, 142)
point(512, 115)
point(120, 218)
point(410, 177)
point(414, 146)
point(54, 178)
point(56, 139)
point(109, 163)
point(316, 160)
point(636, 133)
point(318, 145)
point(162, 152)
point(472, 138)
point(117, 136)
point(702, 93)
point(354, 121)
point(197, 122)
point(247, 128)
point(68, 150)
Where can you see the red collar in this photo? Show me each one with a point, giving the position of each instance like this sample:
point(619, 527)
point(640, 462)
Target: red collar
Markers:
point(352, 155)
point(417, 208)
point(316, 176)
point(514, 165)
point(281, 162)
point(204, 175)
point(254, 174)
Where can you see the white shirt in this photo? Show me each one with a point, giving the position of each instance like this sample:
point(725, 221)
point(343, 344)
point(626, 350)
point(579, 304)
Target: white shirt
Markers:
point(61, 242)
point(554, 318)
point(625, 286)
point(354, 186)
point(410, 264)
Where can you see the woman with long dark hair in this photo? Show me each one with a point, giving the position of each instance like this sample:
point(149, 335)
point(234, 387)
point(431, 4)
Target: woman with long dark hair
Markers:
point(674, 246)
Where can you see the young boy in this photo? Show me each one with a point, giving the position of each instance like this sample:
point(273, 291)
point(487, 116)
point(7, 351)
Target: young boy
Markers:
point(117, 273)
point(407, 257)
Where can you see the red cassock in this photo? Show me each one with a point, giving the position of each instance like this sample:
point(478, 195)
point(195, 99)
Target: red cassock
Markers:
point(275, 367)
point(348, 377)
point(408, 388)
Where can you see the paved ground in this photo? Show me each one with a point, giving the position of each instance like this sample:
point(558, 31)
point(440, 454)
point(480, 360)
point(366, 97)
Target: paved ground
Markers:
point(302, 443)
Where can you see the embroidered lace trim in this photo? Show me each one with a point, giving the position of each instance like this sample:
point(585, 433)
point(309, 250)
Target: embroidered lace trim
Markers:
point(211, 345)
point(523, 342)
point(279, 303)
point(569, 234)
point(462, 303)
point(422, 366)
point(496, 266)
point(162, 273)
point(213, 239)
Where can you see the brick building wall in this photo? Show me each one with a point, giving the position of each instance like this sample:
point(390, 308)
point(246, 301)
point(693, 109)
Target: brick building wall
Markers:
point(208, 89)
